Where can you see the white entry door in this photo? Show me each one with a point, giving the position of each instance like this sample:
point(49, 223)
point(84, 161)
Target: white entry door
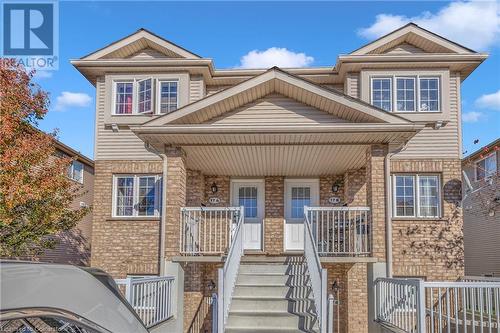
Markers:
point(298, 193)
point(250, 194)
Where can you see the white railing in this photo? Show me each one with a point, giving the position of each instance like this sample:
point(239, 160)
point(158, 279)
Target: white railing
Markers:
point(413, 305)
point(341, 230)
point(228, 274)
point(207, 230)
point(150, 297)
point(318, 275)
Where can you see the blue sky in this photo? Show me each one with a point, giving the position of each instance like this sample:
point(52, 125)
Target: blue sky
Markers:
point(308, 34)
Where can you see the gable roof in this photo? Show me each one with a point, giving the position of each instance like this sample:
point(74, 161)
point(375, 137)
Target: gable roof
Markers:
point(137, 41)
point(275, 80)
point(416, 36)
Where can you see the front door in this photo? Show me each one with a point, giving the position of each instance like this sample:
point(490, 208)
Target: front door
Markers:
point(298, 193)
point(250, 194)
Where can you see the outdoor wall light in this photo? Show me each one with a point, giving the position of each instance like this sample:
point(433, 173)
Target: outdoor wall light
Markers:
point(211, 285)
point(214, 188)
point(335, 188)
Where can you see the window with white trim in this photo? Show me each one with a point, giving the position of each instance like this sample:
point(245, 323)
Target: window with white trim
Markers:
point(486, 167)
point(429, 94)
point(382, 93)
point(124, 97)
point(411, 93)
point(75, 171)
point(301, 196)
point(136, 195)
point(416, 195)
point(168, 96)
point(405, 94)
point(144, 92)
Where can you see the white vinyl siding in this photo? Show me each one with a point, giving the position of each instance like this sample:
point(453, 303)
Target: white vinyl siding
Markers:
point(136, 195)
point(416, 195)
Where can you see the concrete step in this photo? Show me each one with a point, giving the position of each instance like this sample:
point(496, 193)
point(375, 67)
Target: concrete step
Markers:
point(272, 279)
point(299, 306)
point(270, 321)
point(276, 291)
point(272, 269)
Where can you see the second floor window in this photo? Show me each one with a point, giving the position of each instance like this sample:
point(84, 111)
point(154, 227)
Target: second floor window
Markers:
point(416, 195)
point(406, 93)
point(137, 195)
point(124, 97)
point(382, 93)
point(75, 171)
point(168, 96)
point(486, 167)
point(135, 97)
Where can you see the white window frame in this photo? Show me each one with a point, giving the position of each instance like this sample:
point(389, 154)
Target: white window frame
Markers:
point(494, 155)
point(417, 78)
point(158, 95)
point(137, 97)
point(439, 100)
point(395, 93)
point(391, 99)
point(136, 177)
point(416, 196)
point(71, 171)
point(115, 84)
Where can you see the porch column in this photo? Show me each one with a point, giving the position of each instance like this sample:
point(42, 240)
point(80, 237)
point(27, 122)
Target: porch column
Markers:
point(375, 197)
point(175, 198)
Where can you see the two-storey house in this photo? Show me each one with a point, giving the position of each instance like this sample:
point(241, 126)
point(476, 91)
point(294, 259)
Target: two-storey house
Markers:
point(231, 176)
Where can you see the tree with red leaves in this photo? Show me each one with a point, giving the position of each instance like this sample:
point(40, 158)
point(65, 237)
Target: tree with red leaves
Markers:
point(35, 193)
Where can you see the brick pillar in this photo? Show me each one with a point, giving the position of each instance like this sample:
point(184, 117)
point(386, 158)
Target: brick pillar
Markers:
point(274, 215)
point(375, 197)
point(176, 198)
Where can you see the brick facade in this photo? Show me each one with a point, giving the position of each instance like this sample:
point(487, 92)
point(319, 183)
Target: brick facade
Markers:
point(122, 246)
point(431, 248)
point(274, 215)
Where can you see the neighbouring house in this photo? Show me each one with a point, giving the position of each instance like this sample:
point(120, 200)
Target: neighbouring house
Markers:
point(347, 173)
point(481, 210)
point(73, 247)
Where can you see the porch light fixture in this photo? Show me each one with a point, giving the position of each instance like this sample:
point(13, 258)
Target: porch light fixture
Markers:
point(211, 285)
point(214, 188)
point(335, 188)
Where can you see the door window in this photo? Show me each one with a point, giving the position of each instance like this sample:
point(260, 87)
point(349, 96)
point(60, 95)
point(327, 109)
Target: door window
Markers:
point(248, 199)
point(301, 196)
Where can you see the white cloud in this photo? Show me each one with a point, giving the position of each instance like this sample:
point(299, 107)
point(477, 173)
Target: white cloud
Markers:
point(475, 24)
point(471, 117)
point(275, 56)
point(489, 101)
point(71, 100)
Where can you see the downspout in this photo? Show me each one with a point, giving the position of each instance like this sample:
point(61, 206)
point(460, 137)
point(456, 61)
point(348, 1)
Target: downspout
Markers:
point(163, 217)
point(388, 214)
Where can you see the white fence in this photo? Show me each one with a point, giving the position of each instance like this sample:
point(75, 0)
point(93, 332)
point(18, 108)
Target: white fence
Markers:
point(317, 274)
point(207, 230)
point(341, 230)
point(228, 274)
point(151, 297)
point(414, 305)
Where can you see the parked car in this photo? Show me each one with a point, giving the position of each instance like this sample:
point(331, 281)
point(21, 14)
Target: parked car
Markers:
point(39, 297)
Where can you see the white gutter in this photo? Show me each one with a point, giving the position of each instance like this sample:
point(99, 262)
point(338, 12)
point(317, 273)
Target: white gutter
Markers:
point(163, 218)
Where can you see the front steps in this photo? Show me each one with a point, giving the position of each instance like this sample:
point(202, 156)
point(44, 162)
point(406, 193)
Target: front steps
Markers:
point(272, 297)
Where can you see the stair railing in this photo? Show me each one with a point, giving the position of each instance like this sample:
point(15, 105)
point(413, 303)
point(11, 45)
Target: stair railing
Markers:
point(317, 274)
point(228, 274)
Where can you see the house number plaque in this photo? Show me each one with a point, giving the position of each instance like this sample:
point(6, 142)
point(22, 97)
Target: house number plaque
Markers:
point(214, 200)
